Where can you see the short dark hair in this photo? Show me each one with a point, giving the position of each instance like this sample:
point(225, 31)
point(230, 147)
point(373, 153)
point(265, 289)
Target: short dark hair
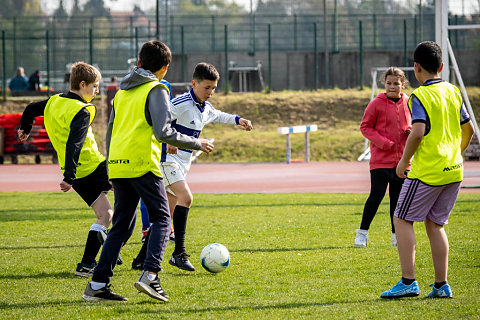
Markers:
point(81, 71)
point(154, 55)
point(429, 55)
point(205, 71)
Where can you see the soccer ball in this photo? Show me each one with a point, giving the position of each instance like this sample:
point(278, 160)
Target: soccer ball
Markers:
point(215, 257)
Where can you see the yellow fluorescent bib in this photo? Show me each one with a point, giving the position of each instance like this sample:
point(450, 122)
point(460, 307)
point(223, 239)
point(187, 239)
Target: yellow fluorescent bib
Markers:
point(134, 150)
point(59, 114)
point(438, 159)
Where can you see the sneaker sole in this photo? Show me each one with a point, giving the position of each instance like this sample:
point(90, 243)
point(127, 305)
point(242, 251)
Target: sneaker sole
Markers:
point(185, 269)
point(83, 274)
point(140, 286)
point(407, 295)
point(96, 299)
point(440, 297)
point(359, 246)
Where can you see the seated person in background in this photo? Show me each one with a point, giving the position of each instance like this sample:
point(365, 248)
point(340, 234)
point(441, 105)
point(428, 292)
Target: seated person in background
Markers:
point(19, 82)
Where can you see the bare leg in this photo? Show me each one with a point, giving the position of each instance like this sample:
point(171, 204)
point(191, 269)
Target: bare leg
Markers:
point(103, 210)
point(406, 246)
point(172, 202)
point(439, 246)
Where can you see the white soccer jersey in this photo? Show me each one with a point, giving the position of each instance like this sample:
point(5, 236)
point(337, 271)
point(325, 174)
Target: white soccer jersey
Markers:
point(189, 117)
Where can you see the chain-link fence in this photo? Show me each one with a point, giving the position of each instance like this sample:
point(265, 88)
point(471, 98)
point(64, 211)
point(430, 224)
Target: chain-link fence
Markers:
point(50, 44)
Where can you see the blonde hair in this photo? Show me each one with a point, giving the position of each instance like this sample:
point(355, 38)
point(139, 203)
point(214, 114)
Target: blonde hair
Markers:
point(394, 71)
point(81, 71)
point(20, 72)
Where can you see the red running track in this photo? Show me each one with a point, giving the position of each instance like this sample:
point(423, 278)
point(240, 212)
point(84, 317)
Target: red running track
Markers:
point(323, 177)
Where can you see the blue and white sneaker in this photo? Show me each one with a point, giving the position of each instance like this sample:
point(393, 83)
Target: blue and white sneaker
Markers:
point(444, 292)
point(401, 290)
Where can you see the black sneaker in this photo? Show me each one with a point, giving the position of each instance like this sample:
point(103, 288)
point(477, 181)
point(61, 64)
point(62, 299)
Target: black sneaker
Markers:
point(180, 261)
point(171, 238)
point(85, 270)
point(137, 264)
point(103, 294)
point(102, 236)
point(151, 287)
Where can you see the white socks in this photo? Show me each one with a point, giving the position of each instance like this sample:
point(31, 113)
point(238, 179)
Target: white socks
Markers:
point(97, 227)
point(97, 285)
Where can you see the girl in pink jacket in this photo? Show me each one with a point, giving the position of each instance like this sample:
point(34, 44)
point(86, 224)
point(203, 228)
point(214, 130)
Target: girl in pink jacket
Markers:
point(386, 123)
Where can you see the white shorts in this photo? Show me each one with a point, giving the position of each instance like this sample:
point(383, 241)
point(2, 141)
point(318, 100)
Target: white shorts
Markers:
point(172, 172)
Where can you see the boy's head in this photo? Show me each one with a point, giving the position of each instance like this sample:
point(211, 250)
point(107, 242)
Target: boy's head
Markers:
point(153, 56)
point(84, 80)
point(429, 56)
point(205, 79)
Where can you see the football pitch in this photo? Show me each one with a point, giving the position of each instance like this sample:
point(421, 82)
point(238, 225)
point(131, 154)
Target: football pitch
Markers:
point(292, 257)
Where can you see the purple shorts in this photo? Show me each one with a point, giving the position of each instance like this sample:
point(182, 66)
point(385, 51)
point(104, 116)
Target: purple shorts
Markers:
point(419, 201)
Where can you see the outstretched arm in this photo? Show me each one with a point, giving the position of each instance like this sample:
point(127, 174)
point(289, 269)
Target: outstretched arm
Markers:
point(34, 109)
point(246, 124)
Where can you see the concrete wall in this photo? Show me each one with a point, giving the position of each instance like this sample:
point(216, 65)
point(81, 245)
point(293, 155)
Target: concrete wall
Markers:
point(295, 70)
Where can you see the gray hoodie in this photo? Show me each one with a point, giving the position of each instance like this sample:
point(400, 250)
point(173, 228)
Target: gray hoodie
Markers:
point(157, 112)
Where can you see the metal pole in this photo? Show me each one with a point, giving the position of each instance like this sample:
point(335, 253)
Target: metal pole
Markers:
point(136, 41)
point(213, 33)
point(48, 64)
point(15, 63)
point(90, 46)
point(289, 148)
point(405, 57)
point(374, 31)
point(182, 46)
point(415, 30)
point(252, 31)
point(166, 22)
point(462, 88)
point(441, 34)
point(307, 148)
point(335, 28)
point(4, 82)
point(315, 58)
point(132, 46)
point(361, 52)
point(421, 18)
point(172, 42)
point(227, 76)
point(295, 35)
point(269, 57)
point(157, 19)
point(54, 48)
point(325, 44)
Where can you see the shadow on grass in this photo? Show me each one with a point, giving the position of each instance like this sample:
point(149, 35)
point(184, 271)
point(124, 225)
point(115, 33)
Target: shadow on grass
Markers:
point(279, 306)
point(44, 214)
point(271, 205)
point(75, 303)
point(289, 249)
point(43, 247)
point(42, 275)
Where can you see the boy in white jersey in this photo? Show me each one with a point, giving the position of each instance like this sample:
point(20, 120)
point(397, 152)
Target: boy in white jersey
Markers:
point(190, 113)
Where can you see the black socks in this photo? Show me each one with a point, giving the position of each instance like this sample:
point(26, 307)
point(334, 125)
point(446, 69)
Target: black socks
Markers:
point(91, 247)
point(407, 282)
point(438, 285)
point(180, 215)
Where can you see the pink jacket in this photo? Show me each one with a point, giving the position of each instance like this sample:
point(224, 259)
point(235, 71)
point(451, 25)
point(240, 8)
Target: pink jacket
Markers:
point(387, 125)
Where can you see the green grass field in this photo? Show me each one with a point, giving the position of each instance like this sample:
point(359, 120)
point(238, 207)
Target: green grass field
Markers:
point(292, 257)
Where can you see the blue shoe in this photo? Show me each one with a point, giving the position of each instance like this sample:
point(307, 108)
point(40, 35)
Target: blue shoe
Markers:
point(400, 291)
point(444, 292)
